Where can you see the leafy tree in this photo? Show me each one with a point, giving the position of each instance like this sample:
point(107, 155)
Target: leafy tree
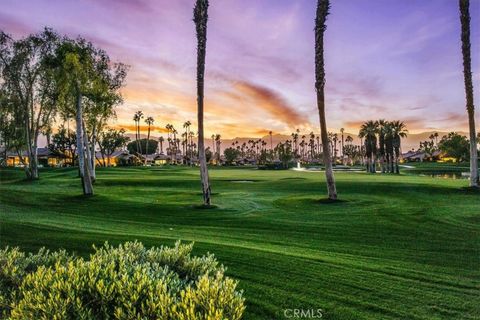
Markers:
point(428, 147)
point(285, 153)
point(467, 73)
point(200, 17)
point(89, 90)
point(64, 143)
point(142, 144)
point(323, 7)
point(455, 145)
point(111, 140)
point(30, 91)
point(231, 154)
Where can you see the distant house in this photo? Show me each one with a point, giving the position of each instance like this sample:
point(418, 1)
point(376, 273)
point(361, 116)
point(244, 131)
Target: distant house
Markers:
point(117, 158)
point(420, 156)
point(46, 158)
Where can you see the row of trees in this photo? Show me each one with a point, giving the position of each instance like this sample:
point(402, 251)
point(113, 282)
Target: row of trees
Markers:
point(382, 140)
point(453, 145)
point(45, 75)
point(47, 78)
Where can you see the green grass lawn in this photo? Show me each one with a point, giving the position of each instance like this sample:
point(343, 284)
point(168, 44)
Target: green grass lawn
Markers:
point(396, 247)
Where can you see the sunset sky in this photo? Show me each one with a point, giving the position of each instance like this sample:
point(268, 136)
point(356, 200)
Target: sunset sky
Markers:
point(384, 59)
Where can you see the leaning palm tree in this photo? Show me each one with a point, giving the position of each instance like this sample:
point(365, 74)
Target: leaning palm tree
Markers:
point(200, 17)
point(467, 73)
point(322, 11)
point(149, 121)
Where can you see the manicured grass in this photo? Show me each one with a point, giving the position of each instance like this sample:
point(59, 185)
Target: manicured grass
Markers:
point(397, 247)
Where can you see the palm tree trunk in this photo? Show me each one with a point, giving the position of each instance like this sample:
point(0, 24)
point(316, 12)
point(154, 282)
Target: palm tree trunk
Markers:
point(467, 72)
point(146, 147)
point(321, 17)
point(82, 165)
point(200, 18)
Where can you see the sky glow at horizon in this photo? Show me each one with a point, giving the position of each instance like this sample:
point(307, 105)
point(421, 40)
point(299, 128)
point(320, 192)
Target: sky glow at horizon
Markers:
point(384, 59)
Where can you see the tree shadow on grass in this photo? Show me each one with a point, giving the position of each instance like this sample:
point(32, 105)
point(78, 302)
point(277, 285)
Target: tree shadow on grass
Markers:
point(470, 190)
point(204, 207)
point(330, 201)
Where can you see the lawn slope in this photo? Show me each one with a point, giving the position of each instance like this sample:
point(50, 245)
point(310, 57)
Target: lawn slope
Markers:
point(396, 247)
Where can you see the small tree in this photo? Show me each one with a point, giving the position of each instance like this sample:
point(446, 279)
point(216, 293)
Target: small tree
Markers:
point(142, 144)
point(231, 155)
point(455, 145)
point(64, 143)
point(109, 141)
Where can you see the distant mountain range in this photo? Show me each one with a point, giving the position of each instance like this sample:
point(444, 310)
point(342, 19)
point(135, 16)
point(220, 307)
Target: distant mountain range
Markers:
point(411, 142)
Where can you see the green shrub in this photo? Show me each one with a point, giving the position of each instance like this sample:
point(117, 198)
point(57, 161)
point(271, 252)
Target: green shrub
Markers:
point(126, 282)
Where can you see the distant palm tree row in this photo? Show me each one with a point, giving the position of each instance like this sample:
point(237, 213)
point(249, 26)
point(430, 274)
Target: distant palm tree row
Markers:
point(383, 143)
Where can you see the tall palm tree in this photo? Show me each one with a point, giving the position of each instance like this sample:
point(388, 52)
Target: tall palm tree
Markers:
point(321, 17)
point(270, 133)
point(368, 131)
point(161, 139)
point(382, 127)
point(389, 146)
point(399, 131)
point(188, 155)
point(467, 73)
point(137, 117)
point(200, 17)
point(218, 143)
point(342, 130)
point(149, 121)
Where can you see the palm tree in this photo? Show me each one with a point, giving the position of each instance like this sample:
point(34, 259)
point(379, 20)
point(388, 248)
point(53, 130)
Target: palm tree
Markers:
point(187, 155)
point(137, 117)
point(467, 73)
point(321, 17)
point(200, 17)
point(389, 146)
point(270, 133)
point(342, 130)
point(399, 131)
point(218, 143)
point(149, 121)
point(382, 124)
point(369, 131)
point(161, 139)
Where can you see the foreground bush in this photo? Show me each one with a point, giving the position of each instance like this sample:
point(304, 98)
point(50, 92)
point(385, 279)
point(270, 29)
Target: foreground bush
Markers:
point(127, 282)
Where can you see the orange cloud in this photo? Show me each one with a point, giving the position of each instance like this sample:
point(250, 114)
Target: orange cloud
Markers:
point(132, 128)
point(268, 100)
